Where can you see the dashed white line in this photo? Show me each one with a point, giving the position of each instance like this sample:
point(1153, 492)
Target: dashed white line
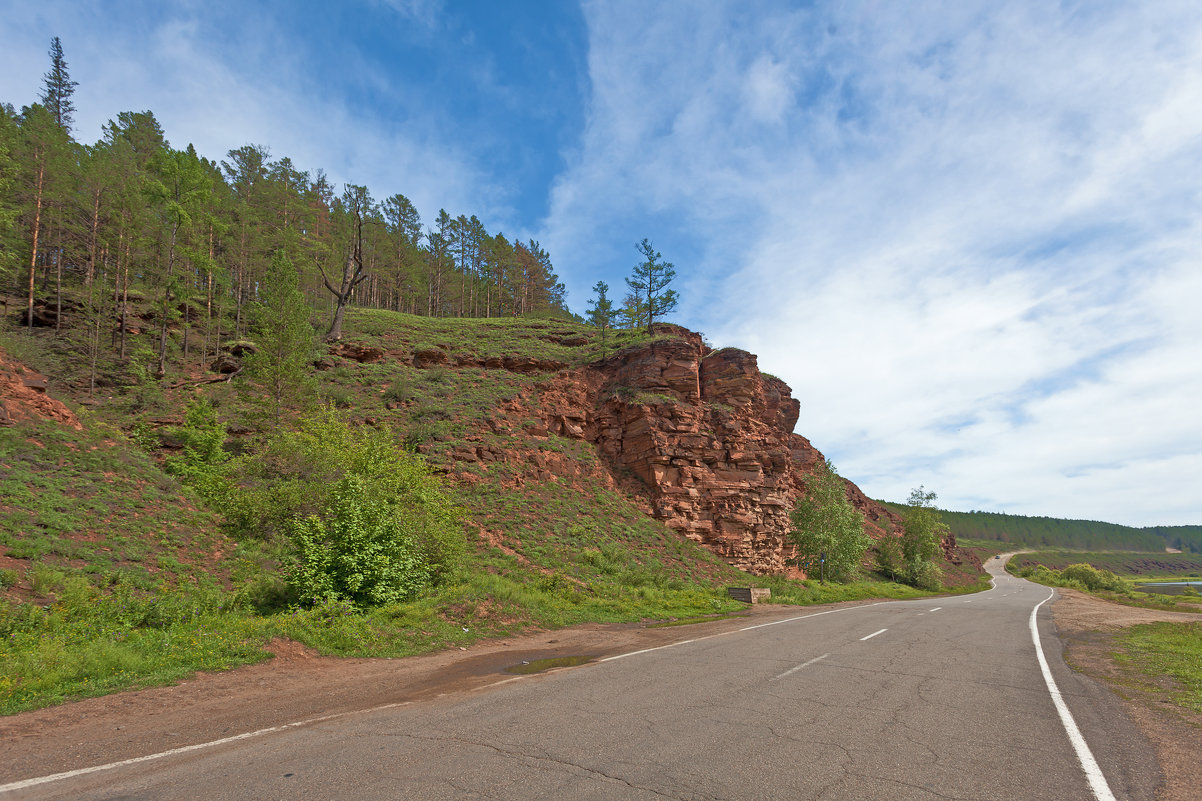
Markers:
point(936, 609)
point(1097, 781)
point(793, 670)
point(873, 634)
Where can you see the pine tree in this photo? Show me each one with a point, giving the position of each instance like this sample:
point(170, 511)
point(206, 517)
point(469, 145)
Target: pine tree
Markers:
point(59, 87)
point(283, 334)
point(601, 309)
point(649, 281)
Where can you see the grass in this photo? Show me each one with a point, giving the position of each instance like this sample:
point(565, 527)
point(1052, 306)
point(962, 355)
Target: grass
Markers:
point(1123, 563)
point(1167, 650)
point(116, 576)
point(1132, 569)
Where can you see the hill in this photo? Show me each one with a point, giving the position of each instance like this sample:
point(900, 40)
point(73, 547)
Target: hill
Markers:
point(1082, 535)
point(158, 537)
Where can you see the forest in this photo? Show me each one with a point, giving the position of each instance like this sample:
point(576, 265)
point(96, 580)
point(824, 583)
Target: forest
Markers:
point(1084, 535)
point(86, 228)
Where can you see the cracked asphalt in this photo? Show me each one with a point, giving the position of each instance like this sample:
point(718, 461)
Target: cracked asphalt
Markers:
point(946, 703)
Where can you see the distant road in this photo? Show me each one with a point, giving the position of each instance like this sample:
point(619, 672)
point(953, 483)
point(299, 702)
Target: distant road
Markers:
point(931, 699)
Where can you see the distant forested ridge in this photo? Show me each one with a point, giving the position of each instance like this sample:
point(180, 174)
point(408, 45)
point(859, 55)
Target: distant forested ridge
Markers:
point(131, 217)
point(1085, 535)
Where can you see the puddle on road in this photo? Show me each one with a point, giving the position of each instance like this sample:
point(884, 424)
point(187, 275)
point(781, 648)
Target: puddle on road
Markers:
point(539, 665)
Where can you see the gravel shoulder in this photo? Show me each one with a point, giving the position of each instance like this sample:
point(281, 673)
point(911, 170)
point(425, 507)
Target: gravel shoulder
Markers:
point(1088, 626)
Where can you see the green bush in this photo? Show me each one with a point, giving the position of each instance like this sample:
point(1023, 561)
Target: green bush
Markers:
point(925, 575)
point(363, 552)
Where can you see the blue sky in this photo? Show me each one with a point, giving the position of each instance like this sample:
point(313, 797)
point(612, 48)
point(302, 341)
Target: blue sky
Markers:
point(968, 234)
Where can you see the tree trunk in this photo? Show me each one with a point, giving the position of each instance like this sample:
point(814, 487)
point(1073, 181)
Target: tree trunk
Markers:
point(33, 258)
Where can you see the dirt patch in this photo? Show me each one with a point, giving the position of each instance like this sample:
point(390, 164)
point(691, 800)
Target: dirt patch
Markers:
point(1088, 626)
point(23, 396)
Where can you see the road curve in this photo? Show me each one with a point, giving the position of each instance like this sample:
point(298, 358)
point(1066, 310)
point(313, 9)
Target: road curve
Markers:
point(931, 699)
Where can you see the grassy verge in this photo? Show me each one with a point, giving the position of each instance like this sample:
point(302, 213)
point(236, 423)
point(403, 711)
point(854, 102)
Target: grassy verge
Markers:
point(1167, 650)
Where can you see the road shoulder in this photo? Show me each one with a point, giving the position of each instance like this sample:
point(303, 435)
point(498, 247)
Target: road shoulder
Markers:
point(1088, 626)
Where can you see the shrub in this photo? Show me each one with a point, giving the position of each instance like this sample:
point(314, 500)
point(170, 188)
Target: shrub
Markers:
point(363, 552)
point(925, 575)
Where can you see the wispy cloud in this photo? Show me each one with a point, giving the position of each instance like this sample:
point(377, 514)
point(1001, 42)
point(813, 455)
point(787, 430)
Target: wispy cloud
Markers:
point(957, 231)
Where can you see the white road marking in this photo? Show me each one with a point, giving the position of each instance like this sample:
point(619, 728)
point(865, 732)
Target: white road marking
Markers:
point(873, 634)
point(793, 670)
point(1097, 781)
point(24, 783)
point(936, 609)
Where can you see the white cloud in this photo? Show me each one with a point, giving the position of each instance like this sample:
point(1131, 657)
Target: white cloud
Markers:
point(958, 231)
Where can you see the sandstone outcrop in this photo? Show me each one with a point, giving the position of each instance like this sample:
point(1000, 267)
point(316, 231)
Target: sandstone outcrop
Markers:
point(707, 438)
point(23, 397)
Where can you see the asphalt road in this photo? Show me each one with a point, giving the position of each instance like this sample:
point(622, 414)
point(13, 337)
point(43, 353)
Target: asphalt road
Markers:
point(932, 699)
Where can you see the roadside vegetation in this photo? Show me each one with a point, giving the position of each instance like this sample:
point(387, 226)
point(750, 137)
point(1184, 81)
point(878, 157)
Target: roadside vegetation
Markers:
point(191, 523)
point(1088, 572)
point(1169, 658)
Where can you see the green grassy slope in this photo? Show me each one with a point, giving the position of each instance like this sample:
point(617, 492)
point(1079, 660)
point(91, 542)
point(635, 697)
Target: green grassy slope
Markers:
point(114, 573)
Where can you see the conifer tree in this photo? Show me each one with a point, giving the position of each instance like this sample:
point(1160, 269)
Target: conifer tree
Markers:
point(601, 309)
point(59, 87)
point(649, 282)
point(283, 334)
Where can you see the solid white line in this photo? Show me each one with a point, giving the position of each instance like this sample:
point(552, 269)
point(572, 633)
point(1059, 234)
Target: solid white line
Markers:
point(1097, 781)
point(793, 670)
point(656, 648)
point(21, 785)
point(873, 634)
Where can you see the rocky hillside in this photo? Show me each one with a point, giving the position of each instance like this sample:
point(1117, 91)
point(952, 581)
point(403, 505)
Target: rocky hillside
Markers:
point(701, 436)
point(698, 438)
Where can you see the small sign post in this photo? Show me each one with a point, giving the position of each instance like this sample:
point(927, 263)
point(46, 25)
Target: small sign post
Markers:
point(822, 567)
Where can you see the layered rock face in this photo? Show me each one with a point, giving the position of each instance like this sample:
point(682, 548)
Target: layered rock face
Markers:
point(709, 437)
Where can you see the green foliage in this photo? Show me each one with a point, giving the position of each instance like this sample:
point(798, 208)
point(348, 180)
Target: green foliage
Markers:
point(203, 436)
point(889, 558)
point(922, 531)
point(362, 551)
point(301, 472)
point(1125, 563)
point(601, 311)
point(284, 337)
point(826, 525)
point(648, 283)
point(1172, 650)
point(1079, 576)
point(1050, 532)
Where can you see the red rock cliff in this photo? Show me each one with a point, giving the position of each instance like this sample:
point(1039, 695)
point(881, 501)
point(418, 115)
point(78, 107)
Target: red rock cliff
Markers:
point(709, 437)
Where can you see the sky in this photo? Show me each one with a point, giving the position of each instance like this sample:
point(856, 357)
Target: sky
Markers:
point(968, 234)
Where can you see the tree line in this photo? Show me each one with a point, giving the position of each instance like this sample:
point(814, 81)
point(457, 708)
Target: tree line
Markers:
point(1082, 535)
point(131, 218)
